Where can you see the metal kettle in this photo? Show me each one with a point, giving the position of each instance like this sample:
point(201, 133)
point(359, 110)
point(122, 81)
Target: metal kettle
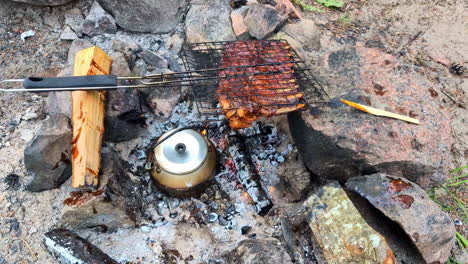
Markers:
point(182, 161)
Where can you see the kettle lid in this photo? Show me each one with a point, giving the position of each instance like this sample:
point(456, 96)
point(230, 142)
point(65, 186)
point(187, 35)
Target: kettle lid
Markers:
point(182, 153)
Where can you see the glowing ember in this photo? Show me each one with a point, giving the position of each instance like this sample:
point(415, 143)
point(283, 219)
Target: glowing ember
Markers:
point(272, 189)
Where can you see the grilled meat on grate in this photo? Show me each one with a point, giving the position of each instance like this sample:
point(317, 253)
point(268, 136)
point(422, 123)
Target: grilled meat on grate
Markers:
point(262, 84)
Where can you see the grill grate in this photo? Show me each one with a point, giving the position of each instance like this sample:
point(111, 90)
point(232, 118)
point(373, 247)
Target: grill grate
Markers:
point(257, 73)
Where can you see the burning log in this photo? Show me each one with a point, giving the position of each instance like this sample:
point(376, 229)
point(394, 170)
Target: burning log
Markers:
point(88, 119)
point(71, 248)
point(247, 174)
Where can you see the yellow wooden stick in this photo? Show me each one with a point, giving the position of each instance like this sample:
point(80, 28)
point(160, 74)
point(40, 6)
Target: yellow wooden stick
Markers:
point(379, 112)
point(88, 119)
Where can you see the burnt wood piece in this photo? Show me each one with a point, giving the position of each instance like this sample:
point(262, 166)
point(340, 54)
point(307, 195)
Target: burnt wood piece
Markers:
point(71, 248)
point(247, 174)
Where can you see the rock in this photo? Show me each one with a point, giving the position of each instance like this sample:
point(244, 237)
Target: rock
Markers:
point(428, 227)
point(285, 7)
point(74, 19)
point(47, 155)
point(71, 248)
point(84, 210)
point(237, 3)
point(60, 102)
point(340, 231)
point(119, 64)
point(306, 32)
point(295, 180)
point(76, 46)
point(98, 21)
point(252, 251)
point(152, 16)
point(123, 118)
point(339, 142)
point(162, 100)
point(237, 18)
point(68, 34)
point(209, 22)
point(174, 43)
point(263, 20)
point(154, 59)
point(245, 230)
point(124, 192)
point(44, 2)
point(128, 49)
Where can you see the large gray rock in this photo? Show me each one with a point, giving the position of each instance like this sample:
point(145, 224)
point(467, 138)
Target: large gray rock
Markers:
point(404, 202)
point(339, 142)
point(44, 2)
point(263, 20)
point(153, 16)
point(340, 232)
point(47, 156)
point(98, 21)
point(209, 22)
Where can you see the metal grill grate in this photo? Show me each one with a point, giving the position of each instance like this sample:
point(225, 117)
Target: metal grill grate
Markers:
point(257, 73)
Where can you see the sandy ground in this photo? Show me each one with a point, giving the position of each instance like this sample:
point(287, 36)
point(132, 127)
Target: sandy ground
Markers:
point(394, 24)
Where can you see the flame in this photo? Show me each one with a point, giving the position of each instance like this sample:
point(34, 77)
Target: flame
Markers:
point(272, 189)
point(248, 198)
point(203, 132)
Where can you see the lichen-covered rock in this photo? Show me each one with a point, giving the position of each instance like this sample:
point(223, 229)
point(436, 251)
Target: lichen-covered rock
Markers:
point(152, 16)
point(209, 22)
point(263, 20)
point(339, 142)
point(47, 156)
point(340, 231)
point(98, 21)
point(428, 227)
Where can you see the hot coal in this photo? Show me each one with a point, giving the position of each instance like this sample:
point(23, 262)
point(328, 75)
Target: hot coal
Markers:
point(247, 174)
